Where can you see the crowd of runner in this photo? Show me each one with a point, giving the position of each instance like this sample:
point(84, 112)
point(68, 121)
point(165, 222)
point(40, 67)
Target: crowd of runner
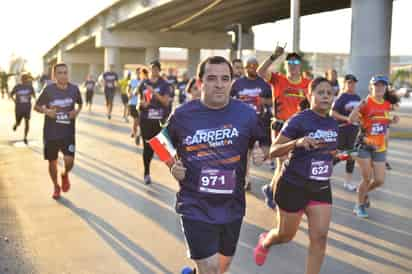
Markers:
point(230, 115)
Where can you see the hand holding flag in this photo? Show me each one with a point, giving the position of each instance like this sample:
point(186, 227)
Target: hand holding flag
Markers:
point(148, 93)
point(162, 145)
point(178, 170)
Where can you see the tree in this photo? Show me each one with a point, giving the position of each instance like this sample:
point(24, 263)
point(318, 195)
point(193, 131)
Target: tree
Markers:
point(402, 77)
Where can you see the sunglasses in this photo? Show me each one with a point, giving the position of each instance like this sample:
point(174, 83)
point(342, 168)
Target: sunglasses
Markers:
point(294, 62)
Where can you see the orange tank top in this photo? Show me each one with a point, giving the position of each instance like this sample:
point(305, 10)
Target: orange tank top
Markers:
point(375, 121)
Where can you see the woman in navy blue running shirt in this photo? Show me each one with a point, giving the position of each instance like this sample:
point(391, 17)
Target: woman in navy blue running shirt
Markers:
point(310, 140)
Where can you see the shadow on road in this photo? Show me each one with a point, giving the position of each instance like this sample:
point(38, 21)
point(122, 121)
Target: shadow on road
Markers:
point(117, 240)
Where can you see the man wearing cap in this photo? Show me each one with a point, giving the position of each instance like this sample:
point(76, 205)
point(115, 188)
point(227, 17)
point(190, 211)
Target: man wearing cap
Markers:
point(348, 131)
point(255, 92)
point(373, 115)
point(288, 92)
point(155, 99)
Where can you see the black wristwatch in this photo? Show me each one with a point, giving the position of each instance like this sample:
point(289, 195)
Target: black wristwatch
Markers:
point(273, 57)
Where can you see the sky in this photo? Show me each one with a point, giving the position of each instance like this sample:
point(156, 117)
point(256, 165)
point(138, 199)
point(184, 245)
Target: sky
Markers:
point(31, 27)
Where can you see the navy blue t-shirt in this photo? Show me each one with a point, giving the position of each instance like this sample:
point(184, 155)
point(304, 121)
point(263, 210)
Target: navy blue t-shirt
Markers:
point(23, 94)
point(344, 105)
point(213, 146)
point(90, 85)
point(249, 91)
point(155, 111)
point(63, 101)
point(181, 86)
point(314, 164)
point(110, 79)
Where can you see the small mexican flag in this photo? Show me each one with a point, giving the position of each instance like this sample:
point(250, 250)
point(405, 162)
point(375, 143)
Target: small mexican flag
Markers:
point(163, 147)
point(148, 94)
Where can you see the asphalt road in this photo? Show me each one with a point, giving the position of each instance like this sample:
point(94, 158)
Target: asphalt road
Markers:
point(110, 222)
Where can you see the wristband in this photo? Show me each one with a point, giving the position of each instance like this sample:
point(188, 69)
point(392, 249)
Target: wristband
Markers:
point(273, 57)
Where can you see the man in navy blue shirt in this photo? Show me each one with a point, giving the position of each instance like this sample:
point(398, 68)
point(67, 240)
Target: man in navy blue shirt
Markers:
point(348, 132)
point(155, 101)
point(213, 137)
point(57, 101)
point(110, 79)
point(21, 95)
point(255, 92)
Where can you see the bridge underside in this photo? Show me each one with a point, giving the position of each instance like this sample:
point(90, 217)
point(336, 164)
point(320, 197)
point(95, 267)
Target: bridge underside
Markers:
point(201, 15)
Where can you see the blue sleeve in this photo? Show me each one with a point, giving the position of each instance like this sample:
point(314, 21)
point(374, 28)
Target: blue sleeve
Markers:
point(79, 99)
point(13, 91)
point(257, 132)
point(266, 90)
point(292, 128)
point(337, 106)
point(43, 99)
point(171, 130)
point(234, 89)
point(140, 88)
point(165, 89)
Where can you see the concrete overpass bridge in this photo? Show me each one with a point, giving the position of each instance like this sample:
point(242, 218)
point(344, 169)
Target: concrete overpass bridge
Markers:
point(132, 31)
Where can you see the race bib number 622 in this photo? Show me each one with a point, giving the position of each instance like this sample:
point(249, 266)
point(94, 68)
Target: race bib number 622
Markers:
point(320, 170)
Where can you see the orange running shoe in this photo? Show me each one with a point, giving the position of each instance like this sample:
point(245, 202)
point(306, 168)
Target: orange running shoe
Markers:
point(56, 193)
point(65, 183)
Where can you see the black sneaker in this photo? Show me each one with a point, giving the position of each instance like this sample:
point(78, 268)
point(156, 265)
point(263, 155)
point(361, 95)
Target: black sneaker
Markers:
point(388, 166)
point(147, 180)
point(248, 186)
point(25, 141)
point(137, 140)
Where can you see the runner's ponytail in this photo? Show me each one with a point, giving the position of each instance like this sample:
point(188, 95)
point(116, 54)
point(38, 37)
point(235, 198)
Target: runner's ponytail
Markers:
point(391, 97)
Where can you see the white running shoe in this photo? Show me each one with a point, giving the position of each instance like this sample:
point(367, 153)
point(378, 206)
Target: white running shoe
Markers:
point(350, 187)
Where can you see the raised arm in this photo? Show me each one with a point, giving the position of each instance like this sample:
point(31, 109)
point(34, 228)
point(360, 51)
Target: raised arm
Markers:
point(263, 70)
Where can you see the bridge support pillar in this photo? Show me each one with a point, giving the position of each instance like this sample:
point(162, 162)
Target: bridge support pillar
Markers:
point(370, 41)
point(193, 56)
point(112, 59)
point(151, 54)
point(295, 19)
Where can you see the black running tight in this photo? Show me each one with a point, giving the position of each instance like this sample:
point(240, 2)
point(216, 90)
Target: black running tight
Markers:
point(148, 129)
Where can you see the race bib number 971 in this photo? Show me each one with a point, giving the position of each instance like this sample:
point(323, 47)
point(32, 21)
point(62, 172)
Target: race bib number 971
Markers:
point(217, 181)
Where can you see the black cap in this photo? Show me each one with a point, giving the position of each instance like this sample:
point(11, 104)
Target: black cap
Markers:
point(293, 55)
point(349, 77)
point(156, 63)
